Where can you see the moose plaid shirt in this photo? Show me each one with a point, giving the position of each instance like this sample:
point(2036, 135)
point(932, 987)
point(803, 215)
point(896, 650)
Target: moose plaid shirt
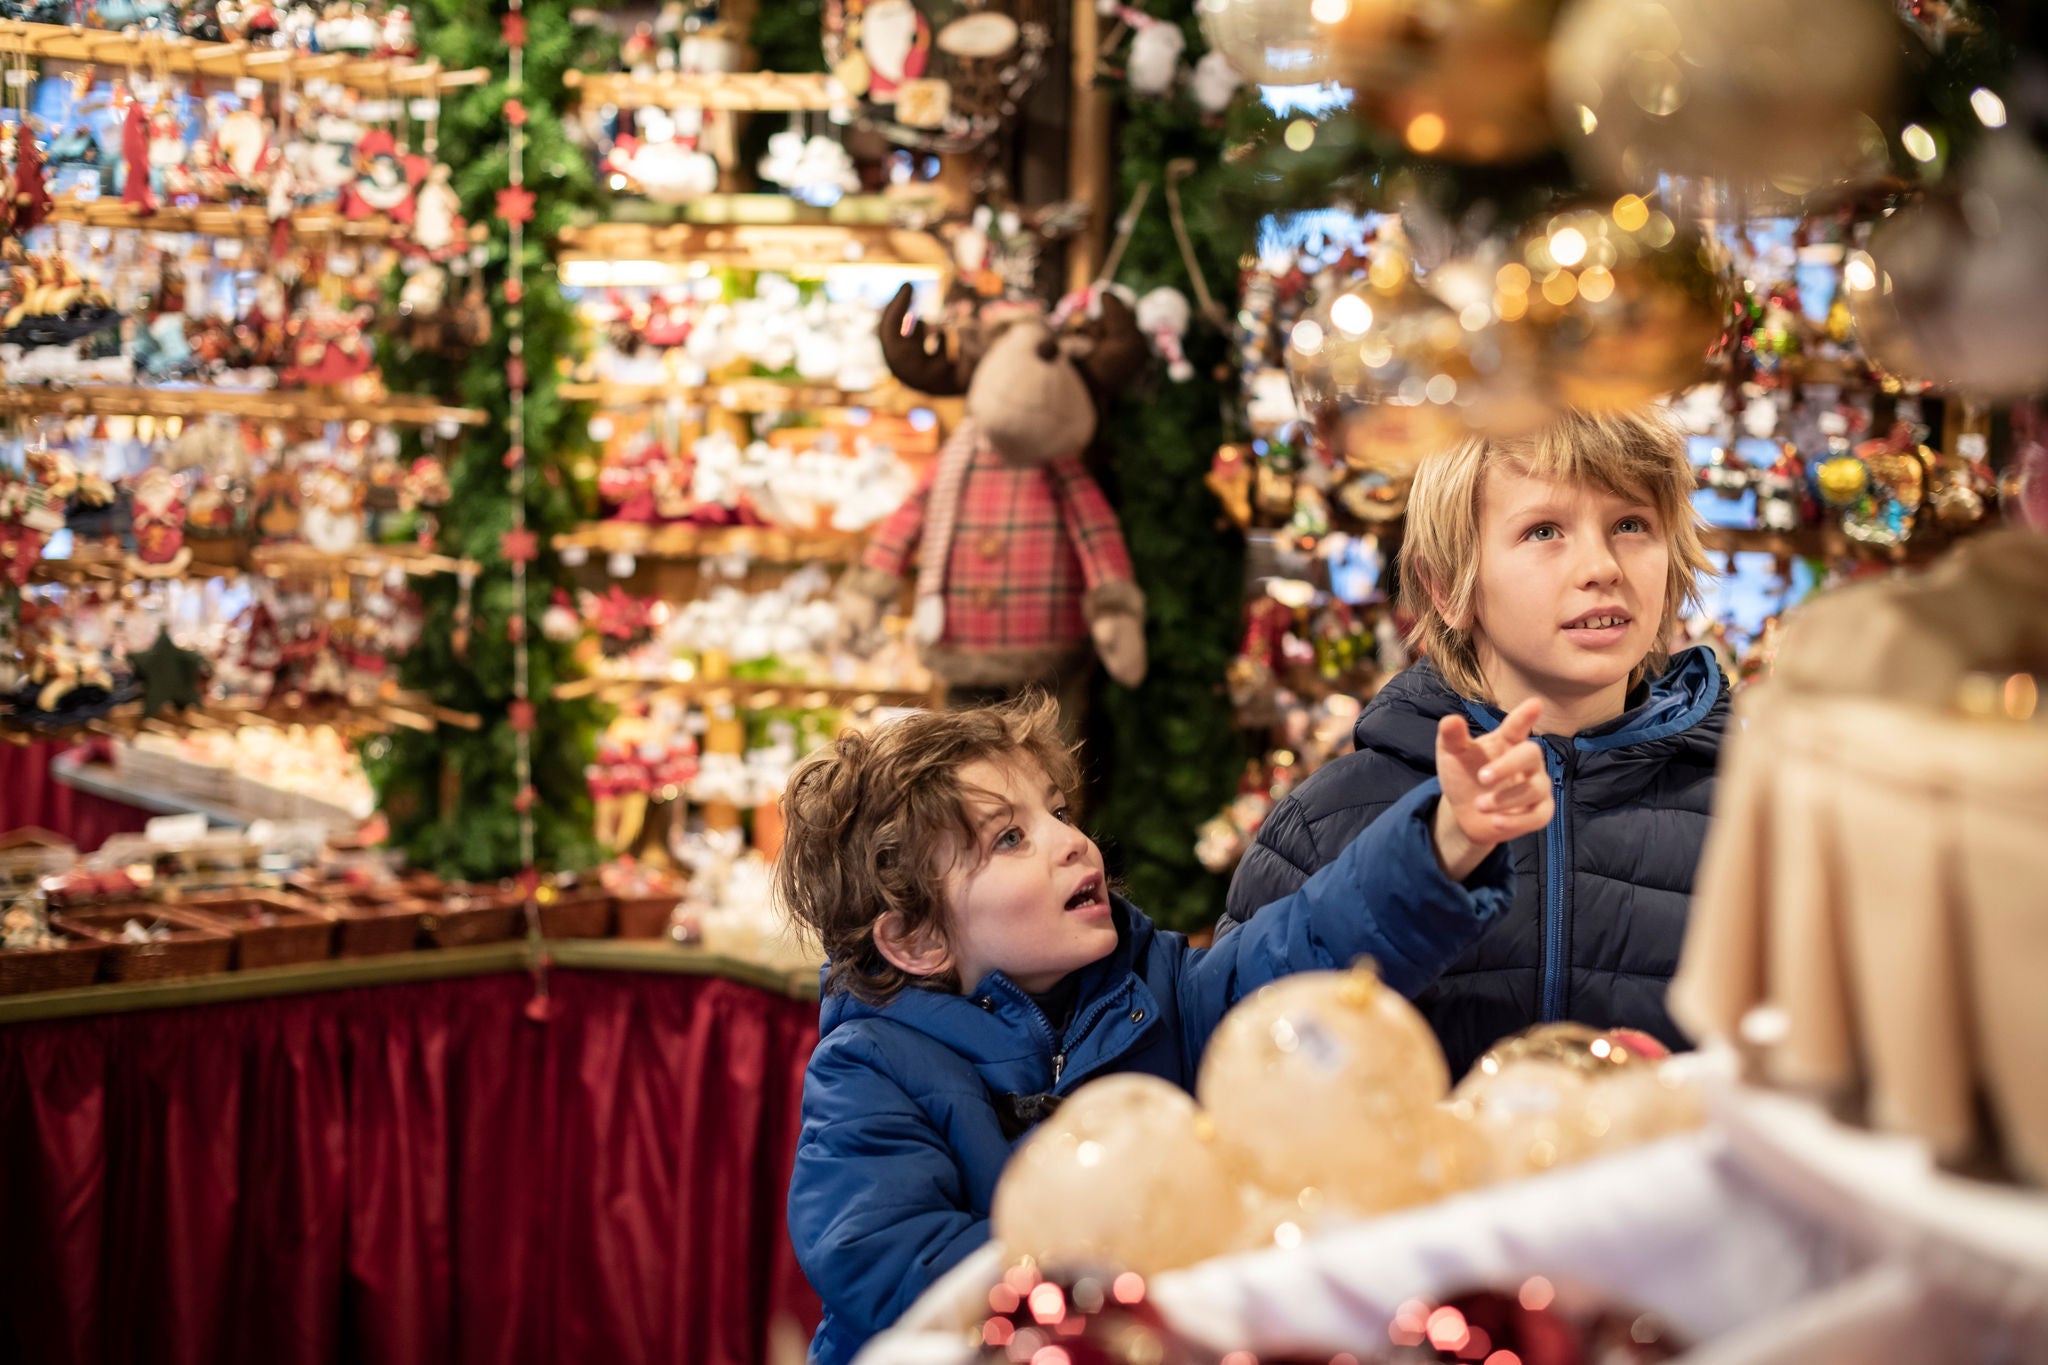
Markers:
point(1028, 544)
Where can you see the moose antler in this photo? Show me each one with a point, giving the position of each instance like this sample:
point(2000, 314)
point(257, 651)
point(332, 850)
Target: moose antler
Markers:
point(918, 357)
point(1120, 352)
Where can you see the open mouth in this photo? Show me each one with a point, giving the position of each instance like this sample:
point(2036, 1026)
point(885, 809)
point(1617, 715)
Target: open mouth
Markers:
point(1604, 619)
point(1091, 893)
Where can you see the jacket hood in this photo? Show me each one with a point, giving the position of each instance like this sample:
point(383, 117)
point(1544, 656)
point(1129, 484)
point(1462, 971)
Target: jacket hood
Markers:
point(1685, 706)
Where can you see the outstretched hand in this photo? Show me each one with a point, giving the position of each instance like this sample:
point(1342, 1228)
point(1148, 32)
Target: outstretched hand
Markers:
point(1495, 788)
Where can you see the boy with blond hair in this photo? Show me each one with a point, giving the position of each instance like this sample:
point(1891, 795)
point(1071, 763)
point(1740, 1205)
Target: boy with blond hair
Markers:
point(1552, 567)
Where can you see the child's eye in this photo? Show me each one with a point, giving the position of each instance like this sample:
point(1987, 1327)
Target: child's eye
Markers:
point(1632, 526)
point(1008, 839)
point(1544, 532)
point(1063, 815)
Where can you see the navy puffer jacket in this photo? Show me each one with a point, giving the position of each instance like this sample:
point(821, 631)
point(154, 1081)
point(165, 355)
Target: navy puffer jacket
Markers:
point(1600, 895)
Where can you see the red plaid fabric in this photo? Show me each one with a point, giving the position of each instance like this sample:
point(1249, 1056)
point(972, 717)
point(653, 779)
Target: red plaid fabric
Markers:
point(1028, 544)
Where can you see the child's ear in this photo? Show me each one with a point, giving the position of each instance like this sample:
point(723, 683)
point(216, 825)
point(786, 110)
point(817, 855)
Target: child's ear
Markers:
point(919, 952)
point(1461, 622)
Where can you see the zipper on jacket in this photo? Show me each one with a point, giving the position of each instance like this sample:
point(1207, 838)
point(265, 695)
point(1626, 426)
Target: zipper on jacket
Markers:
point(1557, 868)
point(1059, 1064)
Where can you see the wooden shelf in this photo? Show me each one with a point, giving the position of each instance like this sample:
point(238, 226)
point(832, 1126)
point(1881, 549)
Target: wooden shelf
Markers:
point(753, 696)
point(278, 405)
point(185, 56)
point(230, 557)
point(220, 220)
point(395, 710)
point(735, 90)
point(760, 246)
point(1818, 542)
point(766, 544)
point(747, 395)
point(764, 210)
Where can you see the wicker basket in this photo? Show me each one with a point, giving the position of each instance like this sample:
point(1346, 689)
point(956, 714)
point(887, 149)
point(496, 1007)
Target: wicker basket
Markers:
point(371, 923)
point(75, 962)
point(466, 914)
point(193, 949)
point(645, 916)
point(585, 912)
point(269, 929)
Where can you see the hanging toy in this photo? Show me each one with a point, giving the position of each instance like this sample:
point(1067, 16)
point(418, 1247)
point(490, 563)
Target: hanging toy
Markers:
point(1163, 315)
point(1152, 65)
point(31, 196)
point(135, 188)
point(159, 512)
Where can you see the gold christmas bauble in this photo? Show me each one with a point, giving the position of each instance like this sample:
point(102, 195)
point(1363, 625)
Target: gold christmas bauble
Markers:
point(1562, 1093)
point(1325, 1081)
point(1377, 372)
point(1463, 80)
point(1270, 42)
point(1127, 1175)
point(1620, 303)
point(1760, 92)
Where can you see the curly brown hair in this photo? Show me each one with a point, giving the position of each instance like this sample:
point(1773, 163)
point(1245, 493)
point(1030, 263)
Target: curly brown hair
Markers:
point(876, 822)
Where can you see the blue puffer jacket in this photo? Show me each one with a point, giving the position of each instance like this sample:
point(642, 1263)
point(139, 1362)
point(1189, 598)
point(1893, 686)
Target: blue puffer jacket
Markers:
point(1602, 893)
point(911, 1107)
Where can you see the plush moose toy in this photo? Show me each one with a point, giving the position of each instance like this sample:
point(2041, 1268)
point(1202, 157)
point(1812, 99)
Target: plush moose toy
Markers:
point(1019, 560)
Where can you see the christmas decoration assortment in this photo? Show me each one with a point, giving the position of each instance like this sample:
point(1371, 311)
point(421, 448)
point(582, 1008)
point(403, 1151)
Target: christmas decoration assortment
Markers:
point(1376, 1127)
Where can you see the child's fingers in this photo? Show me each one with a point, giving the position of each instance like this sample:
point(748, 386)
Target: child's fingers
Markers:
point(1521, 760)
point(1453, 738)
point(1513, 795)
point(1521, 721)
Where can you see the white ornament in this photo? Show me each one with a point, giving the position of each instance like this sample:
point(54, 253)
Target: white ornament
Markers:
point(1154, 61)
point(1215, 82)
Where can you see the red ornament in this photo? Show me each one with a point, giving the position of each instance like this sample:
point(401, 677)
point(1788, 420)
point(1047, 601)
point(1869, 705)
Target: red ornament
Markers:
point(515, 629)
point(520, 546)
point(135, 191)
point(515, 204)
point(515, 372)
point(31, 196)
point(520, 713)
point(514, 291)
point(515, 113)
point(528, 882)
point(515, 457)
point(524, 801)
point(513, 27)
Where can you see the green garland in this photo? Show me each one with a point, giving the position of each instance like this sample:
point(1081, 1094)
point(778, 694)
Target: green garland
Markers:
point(1167, 751)
point(449, 795)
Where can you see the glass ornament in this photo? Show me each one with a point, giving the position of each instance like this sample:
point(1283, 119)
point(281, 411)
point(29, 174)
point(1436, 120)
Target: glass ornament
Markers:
point(1126, 1175)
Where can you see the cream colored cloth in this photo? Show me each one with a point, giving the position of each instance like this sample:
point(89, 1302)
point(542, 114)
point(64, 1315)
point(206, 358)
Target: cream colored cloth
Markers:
point(1878, 870)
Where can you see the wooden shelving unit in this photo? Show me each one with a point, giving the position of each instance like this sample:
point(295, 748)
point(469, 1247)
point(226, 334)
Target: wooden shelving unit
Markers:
point(156, 50)
point(760, 246)
point(745, 695)
point(764, 91)
point(765, 544)
point(276, 405)
point(221, 220)
point(1817, 542)
point(393, 711)
point(747, 395)
point(230, 557)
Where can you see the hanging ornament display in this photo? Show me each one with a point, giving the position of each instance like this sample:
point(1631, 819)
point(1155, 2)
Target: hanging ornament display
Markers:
point(1946, 290)
point(1127, 1175)
point(159, 513)
point(942, 75)
point(1761, 93)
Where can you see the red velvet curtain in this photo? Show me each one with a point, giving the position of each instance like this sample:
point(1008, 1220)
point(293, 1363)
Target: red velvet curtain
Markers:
point(30, 796)
point(410, 1175)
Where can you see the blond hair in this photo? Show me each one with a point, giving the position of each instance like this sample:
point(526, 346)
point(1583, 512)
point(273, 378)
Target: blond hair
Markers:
point(1637, 455)
point(875, 822)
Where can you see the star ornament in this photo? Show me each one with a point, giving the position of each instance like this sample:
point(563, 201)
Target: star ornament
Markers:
point(170, 676)
point(515, 204)
point(520, 546)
